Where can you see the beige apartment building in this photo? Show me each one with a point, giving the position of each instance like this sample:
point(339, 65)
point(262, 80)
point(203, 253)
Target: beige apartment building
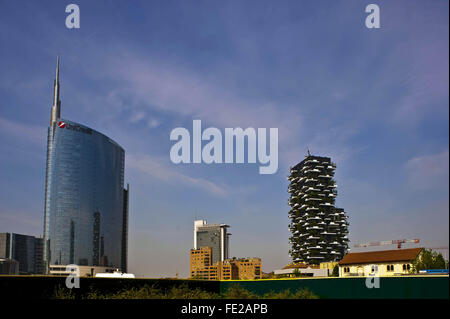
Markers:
point(201, 267)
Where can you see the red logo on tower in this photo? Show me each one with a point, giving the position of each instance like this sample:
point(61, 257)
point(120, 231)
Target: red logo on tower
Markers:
point(61, 124)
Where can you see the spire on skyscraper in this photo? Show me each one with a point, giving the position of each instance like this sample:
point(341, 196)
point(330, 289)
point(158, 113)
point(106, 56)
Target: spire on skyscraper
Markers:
point(56, 108)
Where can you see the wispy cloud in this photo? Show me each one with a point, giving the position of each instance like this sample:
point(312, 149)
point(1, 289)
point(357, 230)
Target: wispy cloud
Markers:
point(183, 92)
point(429, 171)
point(152, 123)
point(33, 134)
point(136, 117)
point(426, 83)
point(419, 63)
point(158, 168)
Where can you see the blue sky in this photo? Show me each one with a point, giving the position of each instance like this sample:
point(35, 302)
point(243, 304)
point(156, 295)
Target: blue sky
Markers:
point(375, 101)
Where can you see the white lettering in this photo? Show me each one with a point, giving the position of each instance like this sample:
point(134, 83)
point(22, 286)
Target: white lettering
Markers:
point(212, 151)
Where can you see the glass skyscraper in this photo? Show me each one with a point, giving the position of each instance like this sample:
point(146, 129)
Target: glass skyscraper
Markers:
point(86, 205)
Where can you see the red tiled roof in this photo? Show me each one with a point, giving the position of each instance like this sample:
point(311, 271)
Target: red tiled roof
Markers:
point(380, 256)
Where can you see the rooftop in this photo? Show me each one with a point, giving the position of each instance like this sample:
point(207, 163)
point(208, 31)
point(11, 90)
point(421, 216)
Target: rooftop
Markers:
point(380, 256)
point(320, 159)
point(299, 265)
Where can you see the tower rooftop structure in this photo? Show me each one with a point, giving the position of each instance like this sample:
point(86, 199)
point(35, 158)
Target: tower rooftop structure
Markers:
point(56, 107)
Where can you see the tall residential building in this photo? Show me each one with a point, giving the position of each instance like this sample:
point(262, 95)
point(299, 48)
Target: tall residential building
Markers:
point(26, 250)
point(215, 236)
point(319, 229)
point(86, 205)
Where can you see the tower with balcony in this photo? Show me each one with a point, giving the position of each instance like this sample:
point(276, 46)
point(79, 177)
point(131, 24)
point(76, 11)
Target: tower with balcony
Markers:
point(319, 229)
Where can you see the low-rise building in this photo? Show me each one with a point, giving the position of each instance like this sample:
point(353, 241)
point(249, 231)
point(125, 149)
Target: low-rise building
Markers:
point(9, 266)
point(380, 263)
point(84, 271)
point(329, 265)
point(200, 259)
point(301, 269)
point(201, 267)
point(24, 249)
point(248, 268)
point(229, 270)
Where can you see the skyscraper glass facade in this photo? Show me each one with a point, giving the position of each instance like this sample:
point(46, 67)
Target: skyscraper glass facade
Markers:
point(84, 204)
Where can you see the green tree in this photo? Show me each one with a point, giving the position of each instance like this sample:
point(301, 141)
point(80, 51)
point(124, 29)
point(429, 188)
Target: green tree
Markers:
point(429, 259)
point(335, 272)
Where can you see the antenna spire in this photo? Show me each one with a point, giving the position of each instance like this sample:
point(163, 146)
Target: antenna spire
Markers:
point(56, 108)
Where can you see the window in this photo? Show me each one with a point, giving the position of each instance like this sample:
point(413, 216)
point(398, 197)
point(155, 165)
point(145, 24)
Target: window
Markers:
point(390, 267)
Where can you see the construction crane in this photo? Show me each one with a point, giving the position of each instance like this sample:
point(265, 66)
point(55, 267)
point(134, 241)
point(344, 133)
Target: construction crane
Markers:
point(397, 242)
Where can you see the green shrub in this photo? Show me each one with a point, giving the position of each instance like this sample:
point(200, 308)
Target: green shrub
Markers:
point(238, 292)
point(63, 293)
point(286, 294)
point(182, 292)
point(304, 294)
